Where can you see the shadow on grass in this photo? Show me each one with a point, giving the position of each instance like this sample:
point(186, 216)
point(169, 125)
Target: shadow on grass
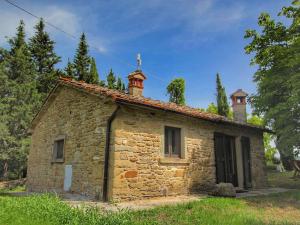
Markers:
point(283, 180)
point(281, 200)
point(14, 194)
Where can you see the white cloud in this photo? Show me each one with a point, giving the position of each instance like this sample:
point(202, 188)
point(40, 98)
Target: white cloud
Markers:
point(112, 23)
point(97, 44)
point(8, 23)
point(62, 18)
point(121, 21)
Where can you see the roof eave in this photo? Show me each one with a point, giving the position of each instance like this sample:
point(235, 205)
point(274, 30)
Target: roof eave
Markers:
point(122, 101)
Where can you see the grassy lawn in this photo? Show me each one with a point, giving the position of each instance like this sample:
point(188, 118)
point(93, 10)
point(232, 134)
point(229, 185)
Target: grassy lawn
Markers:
point(283, 208)
point(12, 190)
point(284, 180)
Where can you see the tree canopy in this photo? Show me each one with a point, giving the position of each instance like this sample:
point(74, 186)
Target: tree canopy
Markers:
point(111, 80)
point(176, 90)
point(276, 50)
point(93, 76)
point(69, 70)
point(27, 73)
point(268, 138)
point(82, 60)
point(44, 58)
point(212, 108)
point(19, 101)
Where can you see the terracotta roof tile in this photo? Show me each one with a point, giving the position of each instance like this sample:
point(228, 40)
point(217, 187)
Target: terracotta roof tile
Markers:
point(148, 102)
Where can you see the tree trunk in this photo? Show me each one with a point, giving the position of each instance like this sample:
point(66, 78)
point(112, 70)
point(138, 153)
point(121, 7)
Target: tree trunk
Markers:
point(5, 170)
point(286, 162)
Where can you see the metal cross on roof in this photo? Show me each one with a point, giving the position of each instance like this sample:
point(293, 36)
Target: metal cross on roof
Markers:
point(139, 61)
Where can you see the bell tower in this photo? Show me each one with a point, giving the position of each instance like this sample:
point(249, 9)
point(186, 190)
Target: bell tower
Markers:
point(239, 105)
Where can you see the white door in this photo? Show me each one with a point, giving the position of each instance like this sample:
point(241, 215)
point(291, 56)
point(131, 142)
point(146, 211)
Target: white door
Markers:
point(68, 178)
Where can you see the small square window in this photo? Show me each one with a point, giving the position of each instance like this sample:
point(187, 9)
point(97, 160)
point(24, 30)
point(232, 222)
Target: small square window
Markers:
point(58, 151)
point(172, 142)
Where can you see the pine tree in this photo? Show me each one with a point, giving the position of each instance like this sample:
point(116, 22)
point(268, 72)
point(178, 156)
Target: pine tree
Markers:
point(19, 40)
point(111, 80)
point(82, 60)
point(222, 103)
point(18, 66)
point(44, 58)
point(93, 76)
point(19, 100)
point(119, 84)
point(123, 87)
point(6, 140)
point(176, 91)
point(69, 70)
point(102, 83)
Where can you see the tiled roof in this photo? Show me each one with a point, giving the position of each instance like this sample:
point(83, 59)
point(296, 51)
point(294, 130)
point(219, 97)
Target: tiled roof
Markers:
point(148, 102)
point(239, 92)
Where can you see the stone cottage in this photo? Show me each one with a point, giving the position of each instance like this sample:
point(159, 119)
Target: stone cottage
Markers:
point(102, 143)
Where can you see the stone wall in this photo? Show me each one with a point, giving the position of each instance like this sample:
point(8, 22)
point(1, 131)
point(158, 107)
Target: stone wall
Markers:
point(82, 119)
point(140, 170)
point(137, 168)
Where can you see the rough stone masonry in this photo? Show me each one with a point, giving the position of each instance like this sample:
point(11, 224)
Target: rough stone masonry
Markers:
point(138, 167)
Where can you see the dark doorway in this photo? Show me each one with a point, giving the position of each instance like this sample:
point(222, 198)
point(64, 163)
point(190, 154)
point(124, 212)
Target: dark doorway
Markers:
point(245, 142)
point(225, 156)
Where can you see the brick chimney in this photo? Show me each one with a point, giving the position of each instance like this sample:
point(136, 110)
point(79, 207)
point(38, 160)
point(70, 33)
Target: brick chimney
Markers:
point(136, 85)
point(239, 105)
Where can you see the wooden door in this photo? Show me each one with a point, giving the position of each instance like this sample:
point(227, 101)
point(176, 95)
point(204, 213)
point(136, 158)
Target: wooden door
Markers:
point(220, 158)
point(225, 157)
point(246, 154)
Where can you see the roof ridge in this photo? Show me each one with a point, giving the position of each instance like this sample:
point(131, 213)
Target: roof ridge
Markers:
point(69, 79)
point(140, 100)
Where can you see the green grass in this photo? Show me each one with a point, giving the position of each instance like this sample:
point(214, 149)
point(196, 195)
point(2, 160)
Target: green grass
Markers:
point(283, 208)
point(49, 210)
point(284, 180)
point(21, 188)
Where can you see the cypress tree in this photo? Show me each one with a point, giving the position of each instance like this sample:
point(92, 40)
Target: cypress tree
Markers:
point(111, 80)
point(222, 103)
point(44, 58)
point(93, 77)
point(82, 60)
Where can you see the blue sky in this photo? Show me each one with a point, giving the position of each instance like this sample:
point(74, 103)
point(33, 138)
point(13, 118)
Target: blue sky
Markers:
point(193, 39)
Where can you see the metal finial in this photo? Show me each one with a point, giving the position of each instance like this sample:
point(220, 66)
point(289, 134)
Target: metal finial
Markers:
point(139, 61)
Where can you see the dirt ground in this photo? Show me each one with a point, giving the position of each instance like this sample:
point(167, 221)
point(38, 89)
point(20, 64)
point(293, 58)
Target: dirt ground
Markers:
point(79, 201)
point(279, 183)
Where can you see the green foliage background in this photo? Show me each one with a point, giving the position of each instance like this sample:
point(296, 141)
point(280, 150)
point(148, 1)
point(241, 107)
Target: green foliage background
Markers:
point(27, 74)
point(276, 50)
point(176, 90)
